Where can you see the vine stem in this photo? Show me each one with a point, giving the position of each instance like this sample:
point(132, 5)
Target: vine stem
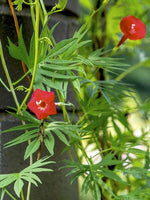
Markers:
point(35, 21)
point(16, 102)
point(22, 195)
point(105, 2)
point(65, 114)
point(32, 13)
point(29, 183)
point(8, 76)
point(44, 12)
point(36, 30)
point(125, 73)
point(10, 195)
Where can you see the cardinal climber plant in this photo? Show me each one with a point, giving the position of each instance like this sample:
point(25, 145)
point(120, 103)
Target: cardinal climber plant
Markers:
point(100, 121)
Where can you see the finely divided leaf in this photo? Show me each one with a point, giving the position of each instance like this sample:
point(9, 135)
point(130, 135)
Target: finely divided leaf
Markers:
point(32, 147)
point(19, 52)
point(62, 137)
point(18, 185)
point(49, 142)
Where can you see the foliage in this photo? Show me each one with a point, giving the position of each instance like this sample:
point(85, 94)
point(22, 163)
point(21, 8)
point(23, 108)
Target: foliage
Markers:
point(26, 174)
point(109, 157)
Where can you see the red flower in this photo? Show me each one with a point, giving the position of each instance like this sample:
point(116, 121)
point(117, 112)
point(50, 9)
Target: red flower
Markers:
point(132, 28)
point(42, 103)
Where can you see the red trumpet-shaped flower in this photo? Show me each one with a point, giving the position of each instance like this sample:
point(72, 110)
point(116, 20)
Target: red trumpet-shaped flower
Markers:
point(132, 28)
point(42, 104)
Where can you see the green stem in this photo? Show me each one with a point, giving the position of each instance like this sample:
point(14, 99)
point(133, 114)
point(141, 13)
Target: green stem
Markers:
point(13, 93)
point(15, 99)
point(22, 195)
point(44, 12)
point(36, 30)
point(29, 183)
point(10, 195)
point(89, 161)
point(20, 79)
point(5, 86)
point(41, 16)
point(28, 3)
point(114, 50)
point(32, 13)
point(121, 76)
point(100, 9)
point(8, 76)
point(65, 114)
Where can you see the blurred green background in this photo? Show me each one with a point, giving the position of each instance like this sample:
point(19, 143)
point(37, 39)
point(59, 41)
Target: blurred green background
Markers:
point(106, 33)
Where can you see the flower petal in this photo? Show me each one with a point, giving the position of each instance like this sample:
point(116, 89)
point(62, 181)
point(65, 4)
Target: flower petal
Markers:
point(42, 104)
point(132, 28)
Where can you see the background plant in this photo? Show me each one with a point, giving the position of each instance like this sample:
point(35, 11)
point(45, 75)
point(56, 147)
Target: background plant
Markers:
point(109, 161)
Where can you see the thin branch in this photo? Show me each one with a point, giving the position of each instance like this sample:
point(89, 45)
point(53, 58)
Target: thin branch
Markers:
point(42, 140)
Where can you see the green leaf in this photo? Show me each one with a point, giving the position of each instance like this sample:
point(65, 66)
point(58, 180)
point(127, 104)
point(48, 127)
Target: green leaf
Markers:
point(83, 43)
point(41, 169)
point(6, 179)
point(58, 7)
point(18, 185)
point(26, 117)
point(22, 138)
point(34, 177)
point(76, 177)
point(32, 147)
point(49, 142)
point(70, 133)
point(59, 67)
point(71, 130)
point(45, 41)
point(18, 3)
point(64, 86)
point(19, 52)
point(147, 159)
point(30, 177)
point(36, 167)
point(47, 81)
point(75, 170)
point(96, 191)
point(21, 127)
point(58, 63)
point(61, 4)
point(105, 186)
point(136, 171)
point(56, 74)
point(26, 174)
point(117, 129)
point(86, 184)
point(61, 137)
point(107, 161)
point(76, 84)
point(81, 32)
point(61, 47)
point(110, 174)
